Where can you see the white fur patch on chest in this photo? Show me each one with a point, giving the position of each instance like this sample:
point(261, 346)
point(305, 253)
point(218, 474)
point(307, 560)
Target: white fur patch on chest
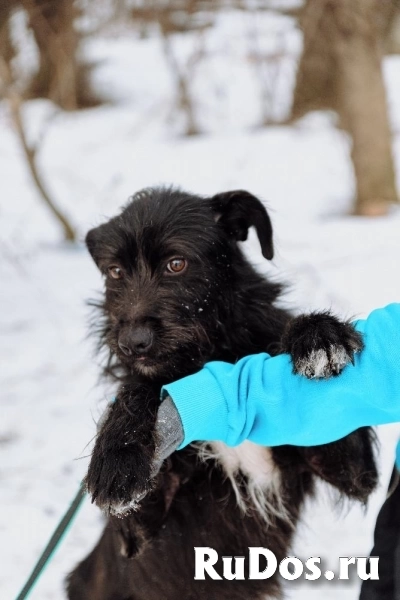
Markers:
point(254, 461)
point(263, 489)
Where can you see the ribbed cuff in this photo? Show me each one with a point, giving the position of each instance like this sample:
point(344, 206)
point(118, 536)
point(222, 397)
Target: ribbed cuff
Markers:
point(209, 421)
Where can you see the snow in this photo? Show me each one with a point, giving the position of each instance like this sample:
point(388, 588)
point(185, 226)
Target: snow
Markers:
point(92, 162)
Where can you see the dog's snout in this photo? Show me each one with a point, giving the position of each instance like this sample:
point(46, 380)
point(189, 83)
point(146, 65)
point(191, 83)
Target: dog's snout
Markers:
point(137, 340)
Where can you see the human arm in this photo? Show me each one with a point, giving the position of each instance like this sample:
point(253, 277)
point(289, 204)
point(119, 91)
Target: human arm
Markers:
point(261, 400)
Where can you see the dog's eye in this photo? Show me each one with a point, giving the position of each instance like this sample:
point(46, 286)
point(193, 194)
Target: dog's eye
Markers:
point(176, 265)
point(115, 272)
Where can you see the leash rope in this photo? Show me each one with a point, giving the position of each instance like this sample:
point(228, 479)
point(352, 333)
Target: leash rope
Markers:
point(53, 542)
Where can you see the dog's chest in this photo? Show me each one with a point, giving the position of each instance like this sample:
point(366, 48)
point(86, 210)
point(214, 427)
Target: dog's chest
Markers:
point(252, 460)
point(263, 479)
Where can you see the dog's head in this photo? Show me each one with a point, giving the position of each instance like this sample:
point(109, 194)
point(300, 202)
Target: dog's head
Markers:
point(169, 265)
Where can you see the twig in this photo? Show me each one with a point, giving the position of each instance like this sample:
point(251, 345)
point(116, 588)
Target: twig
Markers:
point(15, 101)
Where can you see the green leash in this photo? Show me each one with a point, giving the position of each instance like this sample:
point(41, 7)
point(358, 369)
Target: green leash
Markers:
point(54, 541)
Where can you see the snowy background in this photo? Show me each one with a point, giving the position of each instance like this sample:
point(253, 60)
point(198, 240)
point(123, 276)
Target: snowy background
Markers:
point(92, 161)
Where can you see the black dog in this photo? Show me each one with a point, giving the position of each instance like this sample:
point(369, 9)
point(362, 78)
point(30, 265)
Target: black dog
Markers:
point(179, 293)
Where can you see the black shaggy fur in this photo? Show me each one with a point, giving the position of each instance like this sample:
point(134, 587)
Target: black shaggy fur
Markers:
point(161, 325)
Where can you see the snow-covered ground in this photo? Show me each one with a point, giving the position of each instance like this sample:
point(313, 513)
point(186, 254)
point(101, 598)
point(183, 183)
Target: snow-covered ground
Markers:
point(92, 161)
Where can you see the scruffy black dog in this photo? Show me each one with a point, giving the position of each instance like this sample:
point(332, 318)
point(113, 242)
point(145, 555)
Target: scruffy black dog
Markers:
point(179, 292)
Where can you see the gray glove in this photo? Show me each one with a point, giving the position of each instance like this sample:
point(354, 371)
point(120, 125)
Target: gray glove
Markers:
point(169, 431)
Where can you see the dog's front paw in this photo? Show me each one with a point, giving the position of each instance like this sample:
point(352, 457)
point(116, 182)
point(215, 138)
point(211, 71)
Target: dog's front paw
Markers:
point(320, 345)
point(119, 478)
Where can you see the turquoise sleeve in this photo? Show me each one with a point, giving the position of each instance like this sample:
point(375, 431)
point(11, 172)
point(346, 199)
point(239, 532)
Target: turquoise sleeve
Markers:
point(261, 400)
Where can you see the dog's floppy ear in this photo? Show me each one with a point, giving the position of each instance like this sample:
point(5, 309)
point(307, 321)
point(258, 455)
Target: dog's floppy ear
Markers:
point(239, 210)
point(95, 243)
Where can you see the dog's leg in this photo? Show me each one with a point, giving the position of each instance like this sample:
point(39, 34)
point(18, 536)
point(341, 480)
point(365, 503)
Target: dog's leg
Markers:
point(100, 576)
point(320, 344)
point(119, 474)
point(348, 464)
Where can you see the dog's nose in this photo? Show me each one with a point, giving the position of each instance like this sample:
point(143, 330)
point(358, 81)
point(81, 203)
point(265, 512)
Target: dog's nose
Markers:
point(136, 341)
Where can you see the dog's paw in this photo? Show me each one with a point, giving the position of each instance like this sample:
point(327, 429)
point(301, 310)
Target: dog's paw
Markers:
point(320, 345)
point(118, 479)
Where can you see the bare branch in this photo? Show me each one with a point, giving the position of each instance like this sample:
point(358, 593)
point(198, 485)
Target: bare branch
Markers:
point(14, 99)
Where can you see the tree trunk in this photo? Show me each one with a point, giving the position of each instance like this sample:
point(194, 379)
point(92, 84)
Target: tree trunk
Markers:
point(362, 102)
point(341, 69)
point(316, 73)
point(7, 50)
point(60, 77)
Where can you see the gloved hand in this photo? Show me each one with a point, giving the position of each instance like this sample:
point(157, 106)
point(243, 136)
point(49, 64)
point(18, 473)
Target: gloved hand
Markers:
point(169, 432)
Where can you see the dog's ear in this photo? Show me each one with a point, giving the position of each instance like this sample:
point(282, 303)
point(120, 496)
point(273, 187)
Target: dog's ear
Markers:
point(95, 243)
point(239, 210)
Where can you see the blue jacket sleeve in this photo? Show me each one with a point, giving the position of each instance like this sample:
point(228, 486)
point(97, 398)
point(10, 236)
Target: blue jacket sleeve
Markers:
point(261, 400)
